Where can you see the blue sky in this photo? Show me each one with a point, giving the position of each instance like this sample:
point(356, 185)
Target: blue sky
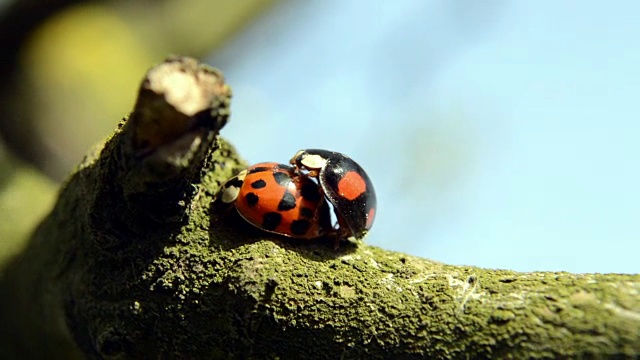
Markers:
point(500, 134)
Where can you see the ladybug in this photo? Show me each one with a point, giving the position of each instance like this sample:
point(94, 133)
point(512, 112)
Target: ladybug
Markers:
point(275, 198)
point(347, 187)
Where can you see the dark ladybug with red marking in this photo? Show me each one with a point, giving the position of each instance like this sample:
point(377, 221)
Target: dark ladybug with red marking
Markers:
point(276, 198)
point(347, 187)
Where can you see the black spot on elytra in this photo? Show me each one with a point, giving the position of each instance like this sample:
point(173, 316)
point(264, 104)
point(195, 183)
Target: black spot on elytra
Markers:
point(271, 220)
point(252, 199)
point(257, 170)
point(258, 184)
point(310, 191)
point(306, 212)
point(282, 178)
point(287, 202)
point(300, 227)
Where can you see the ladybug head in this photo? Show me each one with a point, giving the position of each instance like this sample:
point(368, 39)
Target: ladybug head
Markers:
point(311, 159)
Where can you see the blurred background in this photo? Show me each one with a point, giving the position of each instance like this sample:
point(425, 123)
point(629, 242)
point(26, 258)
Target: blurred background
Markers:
point(498, 134)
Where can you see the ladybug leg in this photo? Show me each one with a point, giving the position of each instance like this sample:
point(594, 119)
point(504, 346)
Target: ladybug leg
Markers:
point(334, 234)
point(323, 217)
point(315, 173)
point(343, 226)
point(339, 231)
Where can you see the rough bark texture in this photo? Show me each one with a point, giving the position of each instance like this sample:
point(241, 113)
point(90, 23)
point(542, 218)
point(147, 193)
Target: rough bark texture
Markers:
point(136, 261)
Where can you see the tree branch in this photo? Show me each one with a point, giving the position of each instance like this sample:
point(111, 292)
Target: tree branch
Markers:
point(136, 262)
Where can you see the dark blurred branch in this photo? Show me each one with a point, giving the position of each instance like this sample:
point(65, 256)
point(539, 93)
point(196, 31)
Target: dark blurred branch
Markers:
point(17, 22)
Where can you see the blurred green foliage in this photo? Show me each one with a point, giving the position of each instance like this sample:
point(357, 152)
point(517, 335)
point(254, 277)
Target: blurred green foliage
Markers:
point(26, 196)
point(79, 70)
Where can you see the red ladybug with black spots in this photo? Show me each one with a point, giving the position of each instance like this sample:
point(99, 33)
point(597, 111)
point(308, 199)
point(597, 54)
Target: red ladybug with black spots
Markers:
point(276, 198)
point(347, 187)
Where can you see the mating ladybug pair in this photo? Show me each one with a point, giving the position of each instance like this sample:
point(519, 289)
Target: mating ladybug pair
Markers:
point(294, 200)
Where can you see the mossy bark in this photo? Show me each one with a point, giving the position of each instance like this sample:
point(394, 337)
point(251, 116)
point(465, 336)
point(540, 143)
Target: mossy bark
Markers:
point(136, 261)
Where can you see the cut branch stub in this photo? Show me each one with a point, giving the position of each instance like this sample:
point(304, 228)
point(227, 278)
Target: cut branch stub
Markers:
point(181, 106)
point(176, 98)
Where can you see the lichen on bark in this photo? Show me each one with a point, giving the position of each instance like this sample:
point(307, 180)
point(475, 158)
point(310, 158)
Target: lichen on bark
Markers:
point(137, 261)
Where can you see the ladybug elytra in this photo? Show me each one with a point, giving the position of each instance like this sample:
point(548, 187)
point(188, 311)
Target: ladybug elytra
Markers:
point(347, 187)
point(275, 198)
